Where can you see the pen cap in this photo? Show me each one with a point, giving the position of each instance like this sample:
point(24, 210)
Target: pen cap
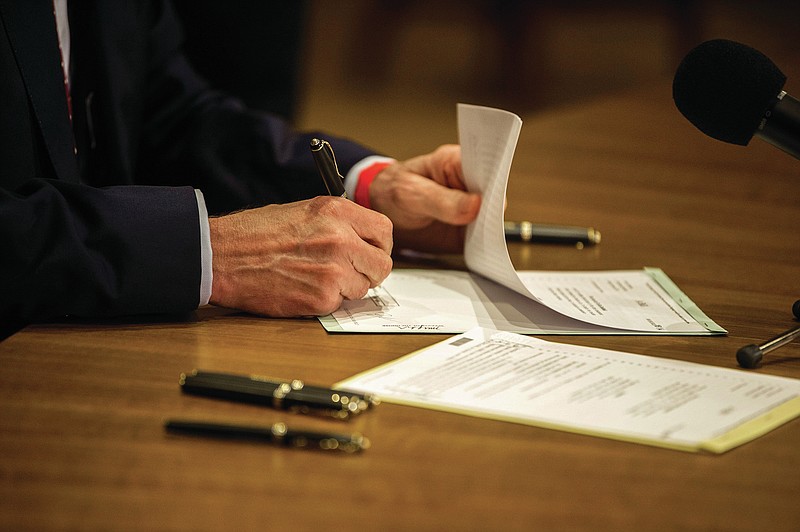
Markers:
point(325, 160)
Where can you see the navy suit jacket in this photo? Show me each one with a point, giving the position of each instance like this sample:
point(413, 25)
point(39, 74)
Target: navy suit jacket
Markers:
point(115, 229)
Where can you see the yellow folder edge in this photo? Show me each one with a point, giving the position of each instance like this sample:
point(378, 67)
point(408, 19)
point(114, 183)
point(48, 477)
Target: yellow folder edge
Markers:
point(756, 427)
point(746, 432)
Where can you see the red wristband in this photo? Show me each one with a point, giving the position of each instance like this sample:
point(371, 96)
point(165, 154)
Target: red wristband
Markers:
point(365, 179)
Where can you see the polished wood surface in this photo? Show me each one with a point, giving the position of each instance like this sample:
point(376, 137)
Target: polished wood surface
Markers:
point(82, 404)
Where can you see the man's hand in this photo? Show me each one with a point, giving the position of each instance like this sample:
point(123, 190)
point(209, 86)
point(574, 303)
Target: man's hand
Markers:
point(298, 259)
point(426, 200)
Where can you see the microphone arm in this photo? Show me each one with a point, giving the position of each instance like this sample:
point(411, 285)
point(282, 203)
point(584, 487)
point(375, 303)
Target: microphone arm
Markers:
point(781, 125)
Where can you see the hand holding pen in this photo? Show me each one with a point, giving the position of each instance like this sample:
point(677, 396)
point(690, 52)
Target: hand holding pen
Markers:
point(301, 258)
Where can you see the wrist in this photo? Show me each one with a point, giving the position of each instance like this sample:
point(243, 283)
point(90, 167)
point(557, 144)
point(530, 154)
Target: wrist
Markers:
point(217, 228)
point(365, 181)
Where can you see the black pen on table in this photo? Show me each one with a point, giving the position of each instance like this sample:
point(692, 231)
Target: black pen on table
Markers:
point(326, 164)
point(554, 234)
point(292, 395)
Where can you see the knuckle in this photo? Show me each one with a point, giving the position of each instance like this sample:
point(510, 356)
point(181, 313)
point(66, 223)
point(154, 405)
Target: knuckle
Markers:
point(384, 225)
point(386, 269)
point(326, 205)
point(447, 149)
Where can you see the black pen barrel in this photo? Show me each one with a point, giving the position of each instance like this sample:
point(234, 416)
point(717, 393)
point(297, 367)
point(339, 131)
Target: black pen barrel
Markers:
point(284, 395)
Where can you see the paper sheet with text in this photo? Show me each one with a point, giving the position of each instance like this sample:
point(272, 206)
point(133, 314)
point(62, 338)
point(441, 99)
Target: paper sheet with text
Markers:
point(638, 398)
point(493, 294)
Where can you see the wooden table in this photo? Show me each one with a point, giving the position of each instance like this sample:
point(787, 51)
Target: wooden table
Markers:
point(81, 404)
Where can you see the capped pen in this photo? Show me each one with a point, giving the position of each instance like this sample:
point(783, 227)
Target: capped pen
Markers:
point(293, 395)
point(325, 160)
point(554, 234)
point(275, 434)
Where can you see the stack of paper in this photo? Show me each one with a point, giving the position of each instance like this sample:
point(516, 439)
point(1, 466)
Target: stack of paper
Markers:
point(623, 396)
point(493, 294)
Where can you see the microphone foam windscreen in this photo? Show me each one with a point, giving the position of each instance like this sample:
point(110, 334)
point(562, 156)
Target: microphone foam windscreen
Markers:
point(724, 88)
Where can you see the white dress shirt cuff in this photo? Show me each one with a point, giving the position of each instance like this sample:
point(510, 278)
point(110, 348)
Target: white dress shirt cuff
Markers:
point(205, 250)
point(351, 179)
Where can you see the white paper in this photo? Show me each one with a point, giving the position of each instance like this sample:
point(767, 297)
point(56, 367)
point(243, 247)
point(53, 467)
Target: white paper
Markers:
point(605, 302)
point(516, 378)
point(446, 301)
point(488, 138)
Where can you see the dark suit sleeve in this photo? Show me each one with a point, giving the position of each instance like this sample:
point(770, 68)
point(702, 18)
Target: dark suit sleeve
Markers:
point(72, 249)
point(237, 156)
point(76, 250)
point(130, 243)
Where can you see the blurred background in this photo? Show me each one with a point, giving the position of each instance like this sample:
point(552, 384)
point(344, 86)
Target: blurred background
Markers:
point(389, 73)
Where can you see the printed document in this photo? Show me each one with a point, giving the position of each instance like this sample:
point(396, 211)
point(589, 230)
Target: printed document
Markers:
point(493, 294)
point(510, 377)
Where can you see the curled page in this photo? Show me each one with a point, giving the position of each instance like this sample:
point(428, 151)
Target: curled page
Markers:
point(488, 139)
point(493, 294)
point(631, 300)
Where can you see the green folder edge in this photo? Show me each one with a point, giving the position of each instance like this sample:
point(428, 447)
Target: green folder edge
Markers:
point(330, 324)
point(683, 300)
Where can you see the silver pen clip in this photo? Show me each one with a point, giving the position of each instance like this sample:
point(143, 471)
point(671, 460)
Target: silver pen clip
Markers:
point(325, 160)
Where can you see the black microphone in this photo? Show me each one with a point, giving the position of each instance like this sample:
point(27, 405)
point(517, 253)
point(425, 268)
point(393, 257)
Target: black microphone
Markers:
point(731, 92)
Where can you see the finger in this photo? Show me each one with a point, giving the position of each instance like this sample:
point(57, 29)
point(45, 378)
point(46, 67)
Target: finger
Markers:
point(354, 286)
point(371, 263)
point(372, 227)
point(442, 166)
point(447, 205)
point(369, 248)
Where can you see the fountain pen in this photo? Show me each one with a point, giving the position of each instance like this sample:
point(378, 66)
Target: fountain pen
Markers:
point(294, 395)
point(325, 160)
point(554, 234)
